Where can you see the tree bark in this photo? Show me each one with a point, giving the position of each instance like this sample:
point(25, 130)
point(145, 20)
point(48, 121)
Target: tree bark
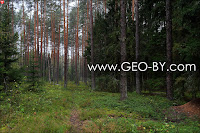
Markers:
point(37, 32)
point(24, 41)
point(105, 6)
point(58, 50)
point(12, 20)
point(41, 60)
point(82, 59)
point(169, 49)
point(123, 78)
point(76, 47)
point(137, 51)
point(92, 45)
point(133, 8)
point(44, 58)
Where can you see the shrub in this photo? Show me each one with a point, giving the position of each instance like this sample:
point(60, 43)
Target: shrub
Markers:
point(107, 83)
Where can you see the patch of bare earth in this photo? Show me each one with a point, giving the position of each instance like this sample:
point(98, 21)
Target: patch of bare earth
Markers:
point(75, 122)
point(190, 109)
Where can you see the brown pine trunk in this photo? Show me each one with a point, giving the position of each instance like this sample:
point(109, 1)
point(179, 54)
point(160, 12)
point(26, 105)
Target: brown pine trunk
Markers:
point(49, 68)
point(58, 52)
point(84, 48)
point(169, 49)
point(92, 45)
point(44, 58)
point(137, 52)
point(67, 38)
point(123, 78)
point(12, 20)
point(28, 41)
point(82, 59)
point(133, 4)
point(76, 47)
point(51, 46)
point(65, 62)
point(41, 57)
point(37, 32)
point(54, 50)
point(105, 5)
point(86, 44)
point(47, 46)
point(24, 34)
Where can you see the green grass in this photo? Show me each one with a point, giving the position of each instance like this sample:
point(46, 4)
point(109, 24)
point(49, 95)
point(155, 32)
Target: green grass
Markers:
point(49, 110)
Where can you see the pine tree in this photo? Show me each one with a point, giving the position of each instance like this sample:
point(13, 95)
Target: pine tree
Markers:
point(8, 49)
point(169, 49)
point(77, 47)
point(137, 49)
point(123, 78)
point(92, 45)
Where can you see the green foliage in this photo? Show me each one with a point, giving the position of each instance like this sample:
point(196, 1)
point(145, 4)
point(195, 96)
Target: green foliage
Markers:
point(107, 83)
point(33, 74)
point(44, 111)
point(50, 110)
point(180, 87)
point(154, 84)
point(186, 43)
point(9, 72)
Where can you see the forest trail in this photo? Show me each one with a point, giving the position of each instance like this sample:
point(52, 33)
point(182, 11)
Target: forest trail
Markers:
point(77, 109)
point(75, 121)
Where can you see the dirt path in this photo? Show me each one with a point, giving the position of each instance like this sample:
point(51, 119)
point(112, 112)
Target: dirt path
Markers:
point(75, 122)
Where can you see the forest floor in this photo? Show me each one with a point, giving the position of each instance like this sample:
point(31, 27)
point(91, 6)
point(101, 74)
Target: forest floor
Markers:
point(78, 109)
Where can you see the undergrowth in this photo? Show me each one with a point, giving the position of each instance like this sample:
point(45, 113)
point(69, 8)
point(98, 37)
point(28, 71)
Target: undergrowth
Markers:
point(49, 110)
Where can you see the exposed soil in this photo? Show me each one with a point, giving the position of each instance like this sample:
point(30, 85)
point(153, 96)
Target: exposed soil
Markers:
point(75, 122)
point(190, 109)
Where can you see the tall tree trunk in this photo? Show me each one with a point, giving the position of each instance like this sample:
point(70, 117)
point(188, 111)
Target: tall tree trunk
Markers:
point(105, 6)
point(44, 27)
point(133, 8)
point(123, 78)
point(67, 37)
point(47, 46)
point(82, 59)
point(37, 32)
point(169, 49)
point(52, 45)
point(65, 62)
point(41, 57)
point(137, 51)
point(49, 68)
point(34, 31)
point(58, 50)
point(86, 44)
point(76, 47)
point(12, 20)
point(24, 35)
point(72, 57)
point(92, 45)
point(54, 50)
point(28, 41)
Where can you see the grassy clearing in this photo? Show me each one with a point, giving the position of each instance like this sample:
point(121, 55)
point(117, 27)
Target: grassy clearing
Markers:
point(49, 110)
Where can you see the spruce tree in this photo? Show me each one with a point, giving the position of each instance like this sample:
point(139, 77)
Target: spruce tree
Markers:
point(8, 49)
point(33, 74)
